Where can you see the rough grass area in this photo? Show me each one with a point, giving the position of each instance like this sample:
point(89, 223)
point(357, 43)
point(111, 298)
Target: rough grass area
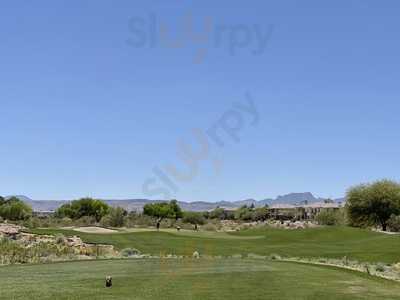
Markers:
point(330, 242)
point(190, 279)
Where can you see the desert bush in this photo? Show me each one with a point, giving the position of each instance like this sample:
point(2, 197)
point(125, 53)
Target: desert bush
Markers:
point(260, 214)
point(30, 223)
point(209, 227)
point(244, 227)
point(380, 267)
point(221, 214)
point(168, 223)
point(45, 223)
point(105, 221)
point(115, 218)
point(196, 255)
point(329, 217)
point(187, 226)
point(127, 252)
point(217, 224)
point(35, 222)
point(14, 209)
point(262, 226)
point(85, 221)
point(134, 219)
point(218, 213)
point(65, 222)
point(397, 267)
point(244, 214)
point(394, 223)
point(256, 256)
point(60, 239)
point(12, 252)
point(51, 221)
point(274, 257)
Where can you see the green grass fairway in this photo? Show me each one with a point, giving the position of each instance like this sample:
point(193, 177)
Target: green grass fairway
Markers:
point(331, 242)
point(190, 279)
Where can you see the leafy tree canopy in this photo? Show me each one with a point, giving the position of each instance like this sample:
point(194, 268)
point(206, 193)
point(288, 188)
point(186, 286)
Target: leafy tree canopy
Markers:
point(163, 210)
point(221, 214)
point(194, 218)
point(244, 213)
point(83, 207)
point(14, 209)
point(374, 203)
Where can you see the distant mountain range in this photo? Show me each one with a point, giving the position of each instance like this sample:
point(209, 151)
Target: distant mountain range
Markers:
point(137, 204)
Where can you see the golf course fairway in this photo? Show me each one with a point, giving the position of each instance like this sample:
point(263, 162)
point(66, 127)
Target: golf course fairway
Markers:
point(184, 279)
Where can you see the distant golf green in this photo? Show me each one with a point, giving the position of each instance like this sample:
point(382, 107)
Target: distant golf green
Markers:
point(202, 279)
point(330, 242)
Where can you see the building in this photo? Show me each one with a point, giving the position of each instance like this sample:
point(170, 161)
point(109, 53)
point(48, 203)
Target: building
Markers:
point(301, 212)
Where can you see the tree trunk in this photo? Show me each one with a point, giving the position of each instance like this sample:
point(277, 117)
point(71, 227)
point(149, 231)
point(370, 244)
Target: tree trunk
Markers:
point(384, 226)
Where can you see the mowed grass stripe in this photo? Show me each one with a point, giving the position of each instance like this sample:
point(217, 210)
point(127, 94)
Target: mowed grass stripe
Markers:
point(190, 279)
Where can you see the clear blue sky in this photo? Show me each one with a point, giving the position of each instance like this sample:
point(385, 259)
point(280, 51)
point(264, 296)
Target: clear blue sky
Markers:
point(84, 112)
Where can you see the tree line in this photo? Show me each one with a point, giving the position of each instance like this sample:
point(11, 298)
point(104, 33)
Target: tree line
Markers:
point(373, 204)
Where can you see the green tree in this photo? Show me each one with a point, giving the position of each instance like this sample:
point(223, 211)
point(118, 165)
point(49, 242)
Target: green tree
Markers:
point(163, 210)
point(244, 213)
point(85, 207)
point(195, 218)
point(218, 213)
point(374, 203)
point(394, 223)
point(260, 214)
point(330, 217)
point(14, 209)
point(221, 214)
point(176, 210)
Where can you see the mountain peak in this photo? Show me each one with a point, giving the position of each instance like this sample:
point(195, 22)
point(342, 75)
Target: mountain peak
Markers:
point(296, 198)
point(137, 204)
point(20, 197)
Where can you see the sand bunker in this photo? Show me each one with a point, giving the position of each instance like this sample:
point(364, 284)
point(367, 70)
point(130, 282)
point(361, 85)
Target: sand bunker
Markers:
point(94, 230)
